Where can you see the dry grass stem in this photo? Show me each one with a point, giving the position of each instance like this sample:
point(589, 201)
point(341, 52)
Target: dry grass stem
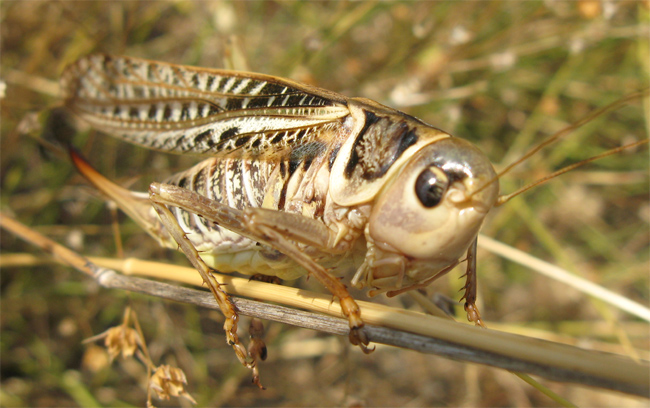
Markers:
point(566, 277)
point(386, 325)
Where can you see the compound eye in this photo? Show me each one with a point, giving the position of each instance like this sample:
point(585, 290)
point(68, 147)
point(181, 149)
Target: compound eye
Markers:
point(431, 186)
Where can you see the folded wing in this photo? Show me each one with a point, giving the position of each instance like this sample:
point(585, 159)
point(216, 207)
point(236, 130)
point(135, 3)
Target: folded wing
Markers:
point(181, 109)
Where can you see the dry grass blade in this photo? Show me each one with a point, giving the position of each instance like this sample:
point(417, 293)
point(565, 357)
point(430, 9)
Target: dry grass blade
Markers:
point(386, 325)
point(566, 277)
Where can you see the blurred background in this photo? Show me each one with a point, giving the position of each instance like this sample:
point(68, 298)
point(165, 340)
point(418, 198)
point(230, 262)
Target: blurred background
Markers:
point(501, 74)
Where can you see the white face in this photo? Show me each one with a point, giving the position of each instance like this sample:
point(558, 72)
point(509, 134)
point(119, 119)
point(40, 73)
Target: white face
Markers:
point(429, 213)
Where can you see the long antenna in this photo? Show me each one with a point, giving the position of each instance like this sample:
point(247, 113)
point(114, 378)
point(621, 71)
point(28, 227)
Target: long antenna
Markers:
point(558, 135)
point(506, 197)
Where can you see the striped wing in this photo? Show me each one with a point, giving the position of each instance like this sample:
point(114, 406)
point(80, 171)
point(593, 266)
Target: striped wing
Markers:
point(183, 109)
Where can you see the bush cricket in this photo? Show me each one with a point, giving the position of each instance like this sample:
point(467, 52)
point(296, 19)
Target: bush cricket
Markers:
point(298, 180)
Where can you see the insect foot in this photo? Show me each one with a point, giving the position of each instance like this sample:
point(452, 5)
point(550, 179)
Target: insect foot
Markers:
point(358, 335)
point(473, 314)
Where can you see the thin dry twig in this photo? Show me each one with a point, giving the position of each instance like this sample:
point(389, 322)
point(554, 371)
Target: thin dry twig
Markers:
point(385, 325)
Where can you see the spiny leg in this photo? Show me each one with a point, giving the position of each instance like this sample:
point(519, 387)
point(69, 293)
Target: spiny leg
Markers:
point(278, 228)
point(349, 307)
point(139, 209)
point(226, 306)
point(473, 314)
point(271, 228)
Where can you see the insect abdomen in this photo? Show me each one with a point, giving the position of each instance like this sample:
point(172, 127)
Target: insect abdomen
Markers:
point(240, 184)
point(237, 183)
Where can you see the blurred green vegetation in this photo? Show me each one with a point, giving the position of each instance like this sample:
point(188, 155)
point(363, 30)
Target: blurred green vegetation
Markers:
point(501, 74)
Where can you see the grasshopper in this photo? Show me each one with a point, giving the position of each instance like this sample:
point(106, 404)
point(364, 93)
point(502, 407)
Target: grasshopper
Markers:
point(298, 180)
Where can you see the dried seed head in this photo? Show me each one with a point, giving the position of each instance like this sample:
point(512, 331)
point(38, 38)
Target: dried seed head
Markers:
point(121, 339)
point(169, 381)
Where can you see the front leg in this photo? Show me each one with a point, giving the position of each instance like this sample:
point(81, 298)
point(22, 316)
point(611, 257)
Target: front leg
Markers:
point(473, 314)
point(276, 229)
point(469, 296)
